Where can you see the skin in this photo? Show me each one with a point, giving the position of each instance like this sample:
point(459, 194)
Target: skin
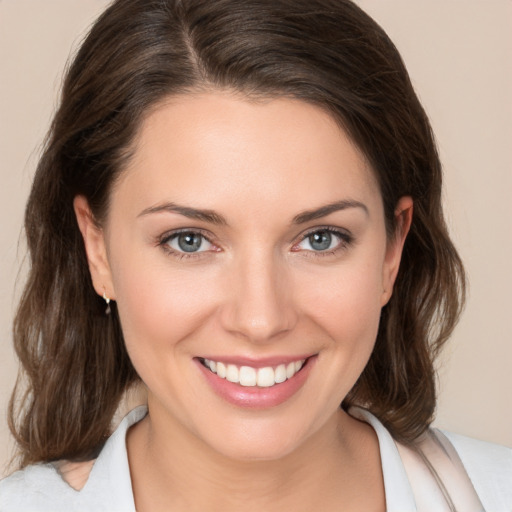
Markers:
point(257, 288)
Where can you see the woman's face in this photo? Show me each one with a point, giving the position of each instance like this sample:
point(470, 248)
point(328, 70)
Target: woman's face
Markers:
point(250, 235)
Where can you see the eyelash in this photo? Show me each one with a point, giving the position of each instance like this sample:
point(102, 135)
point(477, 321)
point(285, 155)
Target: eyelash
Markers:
point(345, 240)
point(167, 237)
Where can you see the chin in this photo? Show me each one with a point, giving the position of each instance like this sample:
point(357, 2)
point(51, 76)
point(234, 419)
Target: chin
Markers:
point(262, 439)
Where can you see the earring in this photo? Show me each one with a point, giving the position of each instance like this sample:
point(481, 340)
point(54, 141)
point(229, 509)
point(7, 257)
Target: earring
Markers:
point(107, 300)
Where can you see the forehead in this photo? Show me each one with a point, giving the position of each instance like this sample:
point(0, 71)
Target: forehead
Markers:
point(218, 148)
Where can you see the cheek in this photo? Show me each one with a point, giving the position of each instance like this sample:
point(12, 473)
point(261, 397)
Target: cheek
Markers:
point(159, 306)
point(347, 300)
point(342, 308)
point(353, 324)
point(346, 307)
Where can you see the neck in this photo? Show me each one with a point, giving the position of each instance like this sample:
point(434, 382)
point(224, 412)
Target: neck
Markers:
point(172, 467)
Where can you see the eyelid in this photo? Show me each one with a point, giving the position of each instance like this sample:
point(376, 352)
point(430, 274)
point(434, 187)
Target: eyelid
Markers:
point(163, 241)
point(346, 238)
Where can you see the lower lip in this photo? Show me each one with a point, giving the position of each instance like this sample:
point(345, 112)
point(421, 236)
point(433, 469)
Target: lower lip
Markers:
point(254, 397)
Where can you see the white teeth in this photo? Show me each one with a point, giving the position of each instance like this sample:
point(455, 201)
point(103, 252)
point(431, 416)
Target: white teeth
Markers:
point(249, 377)
point(232, 373)
point(280, 374)
point(221, 370)
point(266, 377)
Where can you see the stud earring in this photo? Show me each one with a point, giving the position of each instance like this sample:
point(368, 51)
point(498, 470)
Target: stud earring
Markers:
point(107, 300)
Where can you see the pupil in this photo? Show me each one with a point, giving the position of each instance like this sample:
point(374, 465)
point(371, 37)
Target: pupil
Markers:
point(320, 241)
point(189, 242)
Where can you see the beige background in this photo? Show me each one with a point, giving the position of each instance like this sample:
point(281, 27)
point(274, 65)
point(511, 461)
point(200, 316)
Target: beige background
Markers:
point(459, 54)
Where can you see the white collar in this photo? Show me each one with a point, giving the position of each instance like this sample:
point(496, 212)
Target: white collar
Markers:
point(111, 470)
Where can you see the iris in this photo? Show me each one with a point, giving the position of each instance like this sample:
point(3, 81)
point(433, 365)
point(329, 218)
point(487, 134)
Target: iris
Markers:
point(320, 240)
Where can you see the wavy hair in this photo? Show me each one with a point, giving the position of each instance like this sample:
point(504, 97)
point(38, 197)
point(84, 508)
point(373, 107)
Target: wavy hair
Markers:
point(74, 366)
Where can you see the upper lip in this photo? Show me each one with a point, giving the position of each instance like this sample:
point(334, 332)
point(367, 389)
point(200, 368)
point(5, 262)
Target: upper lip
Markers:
point(260, 362)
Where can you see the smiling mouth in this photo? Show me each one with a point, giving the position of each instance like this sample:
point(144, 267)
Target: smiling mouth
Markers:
point(248, 376)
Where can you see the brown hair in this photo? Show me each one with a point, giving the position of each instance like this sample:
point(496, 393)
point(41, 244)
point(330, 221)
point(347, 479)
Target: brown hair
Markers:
point(325, 52)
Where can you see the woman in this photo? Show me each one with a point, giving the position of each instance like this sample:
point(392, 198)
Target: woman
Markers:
point(239, 206)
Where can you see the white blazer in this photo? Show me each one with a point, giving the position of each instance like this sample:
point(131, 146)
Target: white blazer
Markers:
point(445, 473)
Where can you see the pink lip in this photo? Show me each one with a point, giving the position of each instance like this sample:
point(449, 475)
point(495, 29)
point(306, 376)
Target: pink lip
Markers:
point(255, 397)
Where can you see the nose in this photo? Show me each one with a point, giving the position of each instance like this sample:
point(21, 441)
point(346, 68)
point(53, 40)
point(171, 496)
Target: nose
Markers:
point(260, 305)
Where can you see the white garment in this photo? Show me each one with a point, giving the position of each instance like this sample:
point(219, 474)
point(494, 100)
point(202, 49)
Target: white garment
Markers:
point(40, 488)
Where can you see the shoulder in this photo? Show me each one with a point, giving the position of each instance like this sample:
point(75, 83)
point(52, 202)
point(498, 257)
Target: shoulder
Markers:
point(38, 485)
point(102, 484)
point(489, 467)
point(444, 471)
point(493, 456)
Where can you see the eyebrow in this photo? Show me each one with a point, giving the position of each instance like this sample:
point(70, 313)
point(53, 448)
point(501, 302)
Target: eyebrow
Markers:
point(323, 211)
point(192, 213)
point(213, 217)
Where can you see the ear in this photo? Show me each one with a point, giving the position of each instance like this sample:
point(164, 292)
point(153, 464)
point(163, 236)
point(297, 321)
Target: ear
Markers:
point(95, 248)
point(403, 219)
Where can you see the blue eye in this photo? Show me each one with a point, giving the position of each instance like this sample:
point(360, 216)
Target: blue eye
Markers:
point(323, 240)
point(188, 242)
point(320, 241)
